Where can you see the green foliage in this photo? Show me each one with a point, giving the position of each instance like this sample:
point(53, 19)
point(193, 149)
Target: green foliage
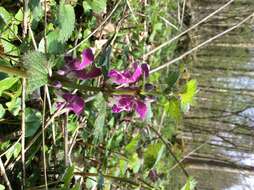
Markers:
point(132, 146)
point(37, 68)
point(104, 143)
point(99, 123)
point(97, 6)
point(190, 184)
point(188, 95)
point(68, 175)
point(33, 121)
point(2, 187)
point(66, 20)
point(13, 151)
point(152, 154)
point(173, 108)
point(7, 83)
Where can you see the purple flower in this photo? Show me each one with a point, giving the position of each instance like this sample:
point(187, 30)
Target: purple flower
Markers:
point(129, 103)
point(128, 76)
point(78, 68)
point(73, 103)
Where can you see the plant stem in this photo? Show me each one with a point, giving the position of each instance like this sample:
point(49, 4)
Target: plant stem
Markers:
point(13, 71)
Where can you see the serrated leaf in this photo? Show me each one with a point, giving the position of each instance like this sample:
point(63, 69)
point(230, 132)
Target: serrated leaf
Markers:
point(7, 83)
point(37, 68)
point(187, 98)
point(66, 20)
point(173, 108)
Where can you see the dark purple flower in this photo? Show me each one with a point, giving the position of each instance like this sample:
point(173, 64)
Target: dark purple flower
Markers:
point(129, 103)
point(128, 76)
point(78, 68)
point(92, 73)
point(73, 103)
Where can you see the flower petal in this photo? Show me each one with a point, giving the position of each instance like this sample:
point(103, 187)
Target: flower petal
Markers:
point(141, 109)
point(87, 57)
point(74, 103)
point(83, 75)
point(145, 68)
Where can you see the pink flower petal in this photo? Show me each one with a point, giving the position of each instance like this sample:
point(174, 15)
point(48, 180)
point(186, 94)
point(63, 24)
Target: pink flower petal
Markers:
point(141, 109)
point(87, 58)
point(74, 103)
point(83, 75)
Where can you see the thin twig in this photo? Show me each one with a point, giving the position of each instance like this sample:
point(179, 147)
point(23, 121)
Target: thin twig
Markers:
point(23, 129)
point(2, 169)
point(66, 142)
point(170, 151)
point(183, 12)
point(201, 45)
point(25, 17)
point(92, 33)
point(32, 37)
point(122, 179)
point(11, 148)
point(189, 29)
point(43, 139)
point(50, 110)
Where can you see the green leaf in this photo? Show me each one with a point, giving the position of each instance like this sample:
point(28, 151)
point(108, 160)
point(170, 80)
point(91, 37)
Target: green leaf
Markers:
point(33, 121)
point(98, 6)
point(190, 184)
point(153, 154)
point(66, 20)
point(132, 146)
point(37, 68)
point(2, 187)
point(5, 17)
point(105, 60)
point(37, 11)
point(54, 46)
point(17, 150)
point(2, 111)
point(86, 6)
point(187, 98)
point(135, 163)
point(14, 106)
point(13, 151)
point(172, 78)
point(173, 108)
point(99, 123)
point(68, 176)
point(7, 83)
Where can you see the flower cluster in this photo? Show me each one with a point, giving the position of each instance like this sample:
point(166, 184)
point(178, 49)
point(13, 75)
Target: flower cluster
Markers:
point(125, 91)
point(126, 102)
point(79, 68)
point(76, 68)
